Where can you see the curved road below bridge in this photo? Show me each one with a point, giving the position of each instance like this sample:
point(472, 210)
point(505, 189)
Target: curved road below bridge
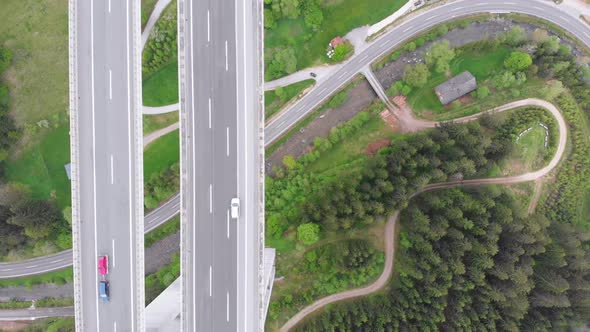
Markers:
point(390, 227)
point(64, 258)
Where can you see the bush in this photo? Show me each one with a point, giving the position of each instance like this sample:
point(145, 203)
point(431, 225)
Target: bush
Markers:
point(518, 61)
point(342, 52)
point(161, 47)
point(283, 62)
point(5, 58)
point(308, 233)
point(416, 75)
point(162, 186)
point(399, 88)
point(338, 99)
point(482, 92)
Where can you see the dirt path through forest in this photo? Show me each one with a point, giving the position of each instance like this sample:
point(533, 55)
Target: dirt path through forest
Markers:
point(390, 228)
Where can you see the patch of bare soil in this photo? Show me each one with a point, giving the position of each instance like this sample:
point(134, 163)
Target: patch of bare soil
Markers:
point(376, 145)
point(359, 97)
point(388, 118)
point(14, 325)
point(466, 99)
point(536, 196)
point(400, 101)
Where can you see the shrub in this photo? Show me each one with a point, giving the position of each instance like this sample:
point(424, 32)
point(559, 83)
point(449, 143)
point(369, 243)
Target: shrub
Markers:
point(518, 61)
point(308, 233)
point(342, 52)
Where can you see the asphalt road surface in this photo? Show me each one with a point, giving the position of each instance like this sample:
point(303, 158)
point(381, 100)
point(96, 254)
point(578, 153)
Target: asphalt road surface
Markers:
point(63, 259)
point(397, 35)
point(37, 313)
point(107, 182)
point(219, 153)
point(208, 115)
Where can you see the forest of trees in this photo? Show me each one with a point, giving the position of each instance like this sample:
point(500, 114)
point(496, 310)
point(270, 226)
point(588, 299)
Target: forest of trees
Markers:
point(387, 179)
point(471, 260)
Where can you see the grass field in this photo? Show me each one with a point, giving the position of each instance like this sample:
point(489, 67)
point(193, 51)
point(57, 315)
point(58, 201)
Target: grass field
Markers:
point(424, 100)
point(273, 103)
point(168, 228)
point(530, 148)
point(41, 167)
point(160, 154)
point(585, 210)
point(529, 153)
point(157, 282)
point(152, 123)
point(147, 7)
point(161, 88)
point(41, 303)
point(340, 17)
point(350, 151)
point(58, 277)
point(37, 34)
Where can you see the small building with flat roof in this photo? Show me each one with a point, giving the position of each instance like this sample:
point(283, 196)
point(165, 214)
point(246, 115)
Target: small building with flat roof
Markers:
point(456, 87)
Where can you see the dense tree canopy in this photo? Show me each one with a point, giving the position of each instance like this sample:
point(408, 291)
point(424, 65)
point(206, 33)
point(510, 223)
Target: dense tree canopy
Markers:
point(439, 56)
point(471, 260)
point(308, 233)
point(518, 61)
point(283, 61)
point(416, 75)
point(24, 219)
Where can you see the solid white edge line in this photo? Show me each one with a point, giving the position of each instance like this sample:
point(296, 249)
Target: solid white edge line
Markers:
point(227, 142)
point(94, 151)
point(226, 63)
point(246, 254)
point(194, 170)
point(112, 171)
point(209, 113)
point(238, 238)
point(210, 198)
point(114, 253)
point(210, 281)
point(131, 184)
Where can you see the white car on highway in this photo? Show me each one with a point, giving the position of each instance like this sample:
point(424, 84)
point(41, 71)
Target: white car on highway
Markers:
point(235, 208)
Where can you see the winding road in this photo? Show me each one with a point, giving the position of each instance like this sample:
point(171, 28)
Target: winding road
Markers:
point(390, 227)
